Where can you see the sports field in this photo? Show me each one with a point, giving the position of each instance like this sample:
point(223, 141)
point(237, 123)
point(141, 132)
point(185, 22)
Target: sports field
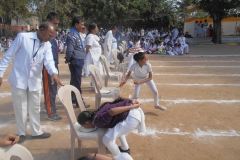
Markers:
point(201, 91)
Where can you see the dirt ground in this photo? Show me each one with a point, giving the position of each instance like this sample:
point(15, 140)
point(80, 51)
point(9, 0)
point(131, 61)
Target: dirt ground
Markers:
point(201, 91)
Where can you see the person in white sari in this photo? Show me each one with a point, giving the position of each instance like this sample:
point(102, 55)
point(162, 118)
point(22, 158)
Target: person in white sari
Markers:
point(93, 49)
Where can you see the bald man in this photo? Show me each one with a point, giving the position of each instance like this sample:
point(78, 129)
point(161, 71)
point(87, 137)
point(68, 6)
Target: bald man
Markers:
point(31, 50)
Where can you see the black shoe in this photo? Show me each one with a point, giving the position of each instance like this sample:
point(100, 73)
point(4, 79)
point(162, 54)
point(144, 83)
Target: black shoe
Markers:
point(126, 151)
point(22, 138)
point(76, 106)
point(54, 118)
point(86, 105)
point(42, 136)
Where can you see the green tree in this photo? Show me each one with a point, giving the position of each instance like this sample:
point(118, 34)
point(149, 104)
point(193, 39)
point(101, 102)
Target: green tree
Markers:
point(14, 9)
point(160, 13)
point(218, 9)
point(112, 12)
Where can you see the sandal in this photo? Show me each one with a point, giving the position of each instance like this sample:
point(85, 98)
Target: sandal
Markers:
point(161, 108)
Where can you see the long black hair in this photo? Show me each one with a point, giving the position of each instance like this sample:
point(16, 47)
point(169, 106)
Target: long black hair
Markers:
point(86, 116)
point(139, 56)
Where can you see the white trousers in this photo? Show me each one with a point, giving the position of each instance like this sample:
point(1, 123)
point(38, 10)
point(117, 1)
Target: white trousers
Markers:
point(185, 47)
point(119, 131)
point(153, 88)
point(25, 101)
point(107, 54)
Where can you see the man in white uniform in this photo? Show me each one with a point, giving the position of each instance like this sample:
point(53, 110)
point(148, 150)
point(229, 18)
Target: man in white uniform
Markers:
point(31, 50)
point(108, 42)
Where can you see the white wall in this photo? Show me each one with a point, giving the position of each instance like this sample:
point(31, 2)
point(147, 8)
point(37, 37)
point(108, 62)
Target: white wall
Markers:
point(189, 27)
point(228, 27)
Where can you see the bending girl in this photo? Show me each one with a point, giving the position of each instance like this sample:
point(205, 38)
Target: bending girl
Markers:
point(142, 73)
point(122, 115)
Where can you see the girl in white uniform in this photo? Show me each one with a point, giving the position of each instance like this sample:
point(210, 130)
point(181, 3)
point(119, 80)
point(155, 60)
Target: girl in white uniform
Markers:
point(93, 49)
point(142, 73)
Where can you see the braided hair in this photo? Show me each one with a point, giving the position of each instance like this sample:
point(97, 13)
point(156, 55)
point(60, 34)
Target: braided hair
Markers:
point(86, 116)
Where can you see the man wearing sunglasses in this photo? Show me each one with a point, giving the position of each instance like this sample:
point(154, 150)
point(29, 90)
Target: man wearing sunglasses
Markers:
point(30, 50)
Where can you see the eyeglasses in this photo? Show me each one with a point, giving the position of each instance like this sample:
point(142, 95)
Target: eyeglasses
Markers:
point(50, 36)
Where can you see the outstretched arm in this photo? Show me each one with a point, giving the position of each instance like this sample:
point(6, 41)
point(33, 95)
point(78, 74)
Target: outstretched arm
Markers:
point(126, 78)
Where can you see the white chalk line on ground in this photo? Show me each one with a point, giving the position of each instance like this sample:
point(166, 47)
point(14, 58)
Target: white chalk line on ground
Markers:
point(177, 74)
point(190, 56)
point(233, 61)
point(195, 66)
point(207, 61)
point(216, 55)
point(232, 133)
point(5, 94)
point(170, 101)
point(154, 132)
point(171, 84)
point(230, 67)
point(196, 84)
point(176, 101)
point(150, 131)
point(207, 75)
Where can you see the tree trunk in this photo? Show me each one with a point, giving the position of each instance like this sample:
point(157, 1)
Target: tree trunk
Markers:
point(217, 29)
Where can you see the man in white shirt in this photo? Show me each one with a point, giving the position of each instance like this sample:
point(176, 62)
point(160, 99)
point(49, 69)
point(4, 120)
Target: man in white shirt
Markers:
point(108, 43)
point(31, 50)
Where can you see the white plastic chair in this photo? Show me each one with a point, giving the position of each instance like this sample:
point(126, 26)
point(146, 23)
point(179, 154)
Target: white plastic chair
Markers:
point(121, 49)
point(16, 150)
point(118, 66)
point(125, 46)
point(100, 89)
point(109, 74)
point(64, 94)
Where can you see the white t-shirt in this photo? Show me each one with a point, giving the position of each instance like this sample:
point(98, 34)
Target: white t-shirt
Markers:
point(140, 73)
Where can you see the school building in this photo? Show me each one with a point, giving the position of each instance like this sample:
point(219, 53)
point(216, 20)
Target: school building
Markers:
point(230, 26)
